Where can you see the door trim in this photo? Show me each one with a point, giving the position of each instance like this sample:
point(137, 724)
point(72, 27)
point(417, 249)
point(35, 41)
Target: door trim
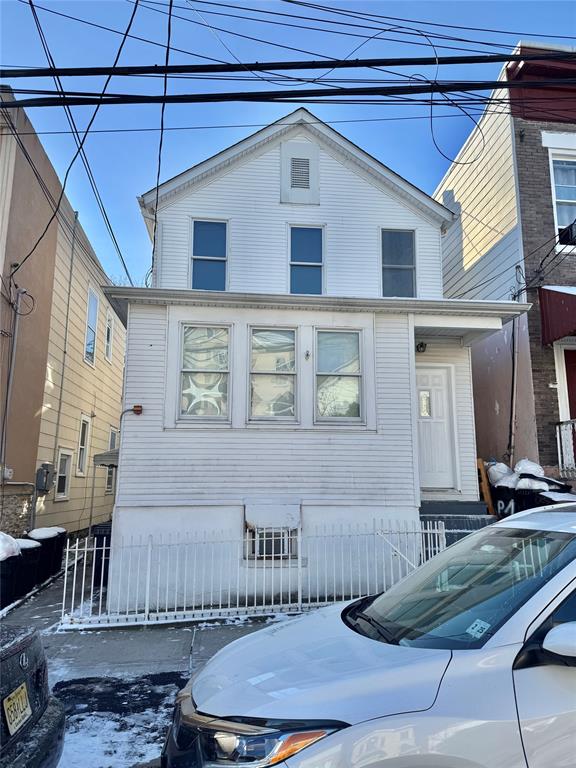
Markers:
point(561, 379)
point(451, 369)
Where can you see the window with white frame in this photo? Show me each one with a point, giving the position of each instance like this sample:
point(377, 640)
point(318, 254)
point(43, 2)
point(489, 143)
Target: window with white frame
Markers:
point(63, 472)
point(209, 255)
point(272, 373)
point(111, 471)
point(338, 376)
point(91, 327)
point(306, 260)
point(109, 339)
point(83, 444)
point(564, 196)
point(205, 371)
point(271, 543)
point(398, 263)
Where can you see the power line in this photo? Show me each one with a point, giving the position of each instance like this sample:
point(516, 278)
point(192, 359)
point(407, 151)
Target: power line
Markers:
point(66, 175)
point(263, 96)
point(162, 110)
point(256, 66)
point(83, 156)
point(431, 23)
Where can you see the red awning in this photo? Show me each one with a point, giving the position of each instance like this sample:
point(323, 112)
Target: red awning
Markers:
point(557, 311)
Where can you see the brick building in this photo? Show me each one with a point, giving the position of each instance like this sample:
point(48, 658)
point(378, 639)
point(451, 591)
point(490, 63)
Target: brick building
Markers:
point(516, 197)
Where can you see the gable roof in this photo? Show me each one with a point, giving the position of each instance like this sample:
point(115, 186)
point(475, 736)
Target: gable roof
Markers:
point(292, 123)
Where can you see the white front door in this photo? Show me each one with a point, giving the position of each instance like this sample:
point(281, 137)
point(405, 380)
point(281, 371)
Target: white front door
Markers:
point(435, 427)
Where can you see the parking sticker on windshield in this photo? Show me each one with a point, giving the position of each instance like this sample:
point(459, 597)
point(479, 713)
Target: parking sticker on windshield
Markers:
point(478, 628)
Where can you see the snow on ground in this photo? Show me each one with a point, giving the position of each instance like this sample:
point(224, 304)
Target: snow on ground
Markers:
point(116, 722)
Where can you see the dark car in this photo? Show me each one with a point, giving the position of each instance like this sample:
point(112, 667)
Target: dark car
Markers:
point(32, 733)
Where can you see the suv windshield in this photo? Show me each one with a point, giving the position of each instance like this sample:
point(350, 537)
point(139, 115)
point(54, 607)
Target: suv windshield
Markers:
point(460, 597)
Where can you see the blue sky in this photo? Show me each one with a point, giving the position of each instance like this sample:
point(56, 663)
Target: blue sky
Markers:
point(124, 164)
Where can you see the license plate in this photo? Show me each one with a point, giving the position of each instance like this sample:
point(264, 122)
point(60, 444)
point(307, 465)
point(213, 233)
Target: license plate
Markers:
point(17, 708)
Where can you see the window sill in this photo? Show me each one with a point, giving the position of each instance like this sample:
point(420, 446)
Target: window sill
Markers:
point(90, 363)
point(61, 498)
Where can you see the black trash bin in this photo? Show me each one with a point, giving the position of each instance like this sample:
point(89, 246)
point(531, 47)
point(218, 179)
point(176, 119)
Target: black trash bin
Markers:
point(102, 534)
point(29, 562)
point(9, 570)
point(504, 501)
point(52, 543)
point(58, 551)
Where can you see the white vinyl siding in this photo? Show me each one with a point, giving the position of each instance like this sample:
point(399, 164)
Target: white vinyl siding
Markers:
point(371, 464)
point(352, 210)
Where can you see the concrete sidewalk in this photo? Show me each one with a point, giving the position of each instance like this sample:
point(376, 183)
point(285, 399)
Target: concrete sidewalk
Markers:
point(118, 685)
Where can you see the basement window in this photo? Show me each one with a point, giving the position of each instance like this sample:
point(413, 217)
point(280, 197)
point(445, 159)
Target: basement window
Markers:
point(270, 544)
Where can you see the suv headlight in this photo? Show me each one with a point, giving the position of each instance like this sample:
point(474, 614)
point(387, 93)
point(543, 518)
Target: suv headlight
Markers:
point(221, 743)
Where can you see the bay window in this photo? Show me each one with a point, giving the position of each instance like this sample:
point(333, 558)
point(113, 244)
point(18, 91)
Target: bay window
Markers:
point(272, 373)
point(398, 263)
point(204, 372)
point(338, 375)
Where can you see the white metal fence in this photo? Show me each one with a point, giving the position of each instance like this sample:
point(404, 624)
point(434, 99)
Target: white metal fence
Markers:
point(566, 440)
point(146, 581)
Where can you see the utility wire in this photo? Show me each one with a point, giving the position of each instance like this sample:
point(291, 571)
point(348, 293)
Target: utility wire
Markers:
point(76, 135)
point(159, 166)
point(84, 137)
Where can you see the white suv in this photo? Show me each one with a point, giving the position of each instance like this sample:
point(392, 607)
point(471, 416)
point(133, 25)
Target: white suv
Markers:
point(469, 662)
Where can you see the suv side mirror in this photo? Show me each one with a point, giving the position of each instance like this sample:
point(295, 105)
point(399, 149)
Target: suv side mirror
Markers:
point(561, 641)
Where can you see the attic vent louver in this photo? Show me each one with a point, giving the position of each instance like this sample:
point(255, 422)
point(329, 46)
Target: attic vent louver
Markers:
point(300, 173)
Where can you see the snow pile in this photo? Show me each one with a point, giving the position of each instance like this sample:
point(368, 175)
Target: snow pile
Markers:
point(46, 533)
point(8, 546)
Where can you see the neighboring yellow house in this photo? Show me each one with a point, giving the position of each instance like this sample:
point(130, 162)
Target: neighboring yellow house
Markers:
point(66, 395)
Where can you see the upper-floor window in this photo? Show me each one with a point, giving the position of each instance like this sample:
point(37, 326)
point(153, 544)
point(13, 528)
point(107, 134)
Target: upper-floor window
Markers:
point(83, 441)
point(91, 327)
point(565, 196)
point(338, 375)
point(272, 373)
point(306, 260)
point(109, 339)
point(398, 263)
point(204, 372)
point(209, 255)
point(111, 471)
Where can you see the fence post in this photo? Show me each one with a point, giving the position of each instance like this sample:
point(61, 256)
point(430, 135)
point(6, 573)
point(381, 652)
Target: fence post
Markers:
point(148, 577)
point(300, 567)
point(65, 580)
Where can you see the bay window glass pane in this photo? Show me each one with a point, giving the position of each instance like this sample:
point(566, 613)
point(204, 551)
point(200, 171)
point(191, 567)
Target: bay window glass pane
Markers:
point(273, 350)
point(306, 244)
point(398, 282)
point(398, 248)
point(204, 394)
point(306, 280)
point(338, 352)
point(209, 275)
point(205, 349)
point(209, 239)
point(272, 395)
point(338, 396)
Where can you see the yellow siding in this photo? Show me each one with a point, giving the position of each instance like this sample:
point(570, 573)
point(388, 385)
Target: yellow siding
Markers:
point(95, 390)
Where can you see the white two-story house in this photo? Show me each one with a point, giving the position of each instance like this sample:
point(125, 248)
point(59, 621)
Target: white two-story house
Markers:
point(295, 358)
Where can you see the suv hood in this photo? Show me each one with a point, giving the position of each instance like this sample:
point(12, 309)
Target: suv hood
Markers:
point(316, 667)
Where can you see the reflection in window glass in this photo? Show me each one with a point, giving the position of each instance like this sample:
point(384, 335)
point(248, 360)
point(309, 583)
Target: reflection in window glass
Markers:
point(205, 372)
point(398, 263)
point(424, 399)
point(273, 373)
point(209, 256)
point(306, 260)
point(338, 375)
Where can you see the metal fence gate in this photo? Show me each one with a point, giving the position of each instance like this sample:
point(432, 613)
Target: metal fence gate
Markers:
point(266, 571)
